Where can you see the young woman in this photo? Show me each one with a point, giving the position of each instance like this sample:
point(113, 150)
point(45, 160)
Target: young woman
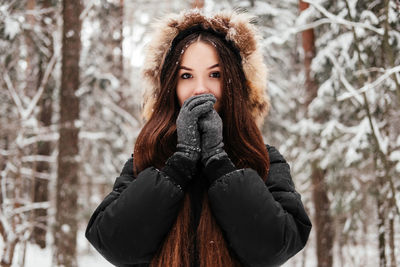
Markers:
point(202, 189)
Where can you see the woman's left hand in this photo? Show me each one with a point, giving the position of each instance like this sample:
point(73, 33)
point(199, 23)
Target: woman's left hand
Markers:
point(210, 126)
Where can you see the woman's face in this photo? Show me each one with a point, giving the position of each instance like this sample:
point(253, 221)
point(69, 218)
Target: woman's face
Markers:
point(199, 73)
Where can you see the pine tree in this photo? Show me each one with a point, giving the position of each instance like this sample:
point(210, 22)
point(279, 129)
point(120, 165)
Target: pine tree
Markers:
point(65, 232)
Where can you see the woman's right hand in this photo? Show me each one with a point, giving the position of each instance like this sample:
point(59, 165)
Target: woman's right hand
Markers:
point(186, 124)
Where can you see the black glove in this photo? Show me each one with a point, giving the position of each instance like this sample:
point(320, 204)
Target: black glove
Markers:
point(187, 124)
point(210, 125)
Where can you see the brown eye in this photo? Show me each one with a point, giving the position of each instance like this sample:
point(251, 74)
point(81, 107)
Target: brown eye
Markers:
point(216, 74)
point(186, 76)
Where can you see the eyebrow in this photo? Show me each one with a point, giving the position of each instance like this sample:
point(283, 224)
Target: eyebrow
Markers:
point(186, 68)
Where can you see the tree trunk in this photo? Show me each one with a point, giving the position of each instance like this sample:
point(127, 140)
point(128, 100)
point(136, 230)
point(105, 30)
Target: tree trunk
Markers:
point(381, 232)
point(68, 155)
point(322, 218)
point(44, 148)
point(391, 240)
point(118, 66)
point(198, 4)
point(117, 60)
point(11, 239)
point(8, 253)
point(31, 55)
point(388, 62)
point(309, 53)
point(323, 221)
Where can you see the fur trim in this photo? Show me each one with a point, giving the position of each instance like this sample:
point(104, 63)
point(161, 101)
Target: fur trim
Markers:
point(237, 27)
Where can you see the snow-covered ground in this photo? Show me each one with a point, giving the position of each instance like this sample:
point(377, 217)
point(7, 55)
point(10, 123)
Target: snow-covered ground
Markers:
point(88, 256)
point(37, 257)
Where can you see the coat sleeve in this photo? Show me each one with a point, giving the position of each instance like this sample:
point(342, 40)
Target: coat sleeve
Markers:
point(264, 223)
point(131, 222)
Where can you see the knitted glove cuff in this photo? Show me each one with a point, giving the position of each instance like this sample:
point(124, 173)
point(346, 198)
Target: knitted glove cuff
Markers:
point(217, 156)
point(191, 152)
point(207, 156)
point(218, 168)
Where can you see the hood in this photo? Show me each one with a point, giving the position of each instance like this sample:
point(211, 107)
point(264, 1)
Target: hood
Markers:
point(236, 27)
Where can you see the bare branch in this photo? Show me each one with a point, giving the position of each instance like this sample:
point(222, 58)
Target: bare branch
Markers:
point(42, 137)
point(84, 12)
point(42, 86)
point(368, 86)
point(30, 207)
point(35, 158)
point(123, 113)
point(13, 93)
point(5, 153)
point(344, 81)
point(342, 21)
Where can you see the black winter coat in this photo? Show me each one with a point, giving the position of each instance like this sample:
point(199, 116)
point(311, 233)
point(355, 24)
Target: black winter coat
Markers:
point(264, 223)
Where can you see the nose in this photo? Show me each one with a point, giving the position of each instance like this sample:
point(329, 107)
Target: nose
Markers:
point(201, 87)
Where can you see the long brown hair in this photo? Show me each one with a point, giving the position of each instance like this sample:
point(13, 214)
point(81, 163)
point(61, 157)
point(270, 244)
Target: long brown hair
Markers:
point(242, 138)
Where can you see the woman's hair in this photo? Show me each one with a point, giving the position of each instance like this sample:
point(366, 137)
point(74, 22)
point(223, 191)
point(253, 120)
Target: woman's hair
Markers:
point(242, 138)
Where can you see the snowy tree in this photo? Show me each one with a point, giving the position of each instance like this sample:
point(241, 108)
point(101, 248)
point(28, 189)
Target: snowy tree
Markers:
point(351, 124)
point(334, 131)
point(68, 160)
point(22, 40)
point(344, 132)
point(44, 147)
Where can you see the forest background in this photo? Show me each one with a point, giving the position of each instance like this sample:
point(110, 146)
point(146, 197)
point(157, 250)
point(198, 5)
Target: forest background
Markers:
point(70, 104)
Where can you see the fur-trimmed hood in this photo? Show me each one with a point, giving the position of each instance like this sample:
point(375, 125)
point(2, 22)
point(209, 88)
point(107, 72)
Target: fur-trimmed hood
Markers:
point(236, 27)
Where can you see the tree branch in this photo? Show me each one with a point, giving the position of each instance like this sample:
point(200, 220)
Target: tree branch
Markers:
point(368, 86)
point(340, 20)
point(42, 86)
point(14, 95)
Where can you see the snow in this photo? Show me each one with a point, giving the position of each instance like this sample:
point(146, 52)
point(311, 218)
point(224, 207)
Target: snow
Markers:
point(341, 142)
point(393, 12)
point(367, 15)
point(395, 156)
point(65, 228)
point(144, 18)
point(316, 107)
point(352, 156)
point(261, 8)
point(11, 27)
point(69, 34)
point(87, 256)
point(383, 141)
